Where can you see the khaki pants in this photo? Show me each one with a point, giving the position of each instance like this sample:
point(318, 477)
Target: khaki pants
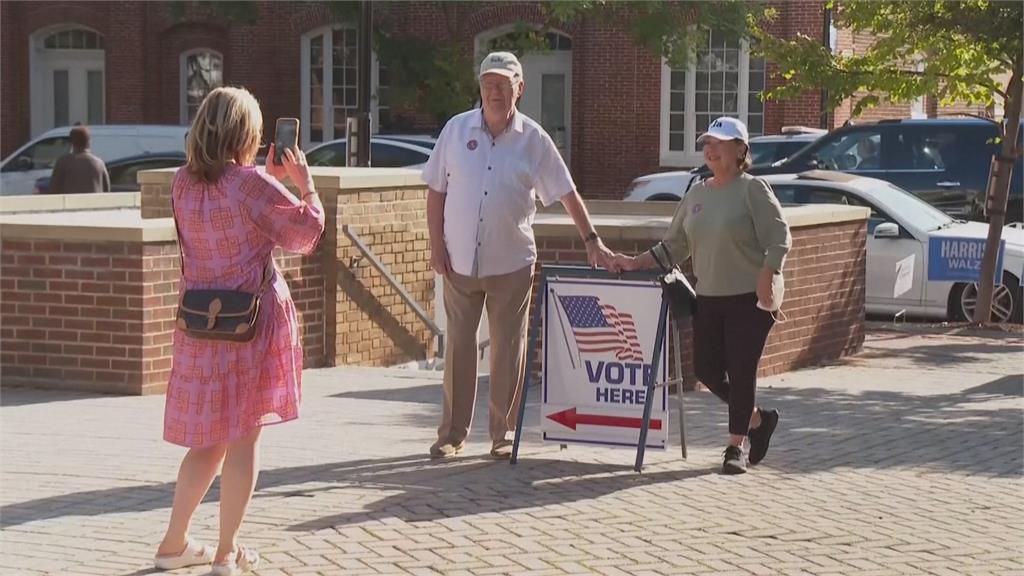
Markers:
point(507, 298)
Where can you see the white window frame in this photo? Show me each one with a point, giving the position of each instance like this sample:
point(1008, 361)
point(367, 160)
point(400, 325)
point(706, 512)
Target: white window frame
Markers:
point(183, 79)
point(690, 156)
point(328, 84)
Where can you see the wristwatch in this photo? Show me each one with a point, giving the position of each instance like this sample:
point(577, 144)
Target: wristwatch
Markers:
point(590, 238)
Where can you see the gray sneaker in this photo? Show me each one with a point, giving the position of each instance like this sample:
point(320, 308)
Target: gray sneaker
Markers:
point(735, 461)
point(446, 449)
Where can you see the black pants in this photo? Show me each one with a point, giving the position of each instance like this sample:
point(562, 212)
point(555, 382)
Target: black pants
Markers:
point(729, 333)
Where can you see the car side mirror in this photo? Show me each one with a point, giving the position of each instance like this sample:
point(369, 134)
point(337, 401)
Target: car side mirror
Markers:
point(887, 230)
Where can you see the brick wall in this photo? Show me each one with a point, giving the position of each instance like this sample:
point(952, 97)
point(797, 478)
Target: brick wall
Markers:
point(374, 326)
point(616, 84)
point(72, 313)
point(824, 301)
point(99, 315)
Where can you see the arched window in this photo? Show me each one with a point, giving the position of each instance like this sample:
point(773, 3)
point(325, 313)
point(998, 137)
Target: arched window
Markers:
point(202, 70)
point(73, 39)
point(66, 83)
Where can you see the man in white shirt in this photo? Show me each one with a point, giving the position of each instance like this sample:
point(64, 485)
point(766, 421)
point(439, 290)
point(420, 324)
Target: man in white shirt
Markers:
point(485, 173)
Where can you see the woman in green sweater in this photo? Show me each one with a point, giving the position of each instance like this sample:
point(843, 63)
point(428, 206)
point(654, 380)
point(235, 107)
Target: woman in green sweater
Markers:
point(731, 225)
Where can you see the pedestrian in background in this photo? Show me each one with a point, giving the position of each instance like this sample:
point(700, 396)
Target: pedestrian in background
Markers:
point(79, 171)
point(731, 225)
point(221, 393)
point(485, 174)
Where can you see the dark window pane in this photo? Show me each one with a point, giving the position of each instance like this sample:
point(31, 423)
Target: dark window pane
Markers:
point(677, 101)
point(678, 80)
point(95, 97)
point(675, 142)
point(60, 98)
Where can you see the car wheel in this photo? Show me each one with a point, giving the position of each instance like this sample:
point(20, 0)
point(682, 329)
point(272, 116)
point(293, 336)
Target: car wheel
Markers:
point(1006, 301)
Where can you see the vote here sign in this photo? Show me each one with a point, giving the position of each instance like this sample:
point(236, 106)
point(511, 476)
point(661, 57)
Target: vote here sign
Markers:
point(599, 337)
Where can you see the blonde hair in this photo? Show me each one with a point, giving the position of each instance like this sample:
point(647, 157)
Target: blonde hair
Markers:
point(227, 127)
point(746, 160)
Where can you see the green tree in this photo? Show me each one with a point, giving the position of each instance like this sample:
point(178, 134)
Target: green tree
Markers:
point(956, 51)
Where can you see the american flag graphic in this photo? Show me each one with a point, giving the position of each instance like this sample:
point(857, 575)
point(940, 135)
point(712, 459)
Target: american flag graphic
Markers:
point(600, 328)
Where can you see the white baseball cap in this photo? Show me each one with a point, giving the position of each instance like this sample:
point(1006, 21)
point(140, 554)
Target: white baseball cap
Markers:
point(504, 63)
point(726, 128)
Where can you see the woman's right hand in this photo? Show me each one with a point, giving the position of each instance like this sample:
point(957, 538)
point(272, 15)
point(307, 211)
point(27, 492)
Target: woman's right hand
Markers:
point(621, 263)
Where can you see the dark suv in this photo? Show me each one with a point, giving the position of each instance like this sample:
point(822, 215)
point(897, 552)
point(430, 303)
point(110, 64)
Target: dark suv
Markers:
point(944, 161)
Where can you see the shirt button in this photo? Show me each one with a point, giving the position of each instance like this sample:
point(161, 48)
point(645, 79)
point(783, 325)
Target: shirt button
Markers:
point(488, 167)
point(485, 192)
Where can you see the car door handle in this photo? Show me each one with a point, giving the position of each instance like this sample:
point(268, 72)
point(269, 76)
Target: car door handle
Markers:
point(947, 184)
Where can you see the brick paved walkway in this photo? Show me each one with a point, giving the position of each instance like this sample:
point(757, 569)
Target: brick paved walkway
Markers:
point(906, 460)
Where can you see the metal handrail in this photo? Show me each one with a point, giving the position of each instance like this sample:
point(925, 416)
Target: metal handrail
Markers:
point(402, 292)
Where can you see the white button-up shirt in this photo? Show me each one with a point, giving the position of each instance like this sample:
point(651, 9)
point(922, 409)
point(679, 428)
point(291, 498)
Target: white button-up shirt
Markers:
point(491, 186)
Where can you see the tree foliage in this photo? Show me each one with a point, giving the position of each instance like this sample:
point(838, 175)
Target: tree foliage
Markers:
point(957, 51)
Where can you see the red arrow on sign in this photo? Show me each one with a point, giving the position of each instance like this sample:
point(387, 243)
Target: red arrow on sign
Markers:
point(569, 418)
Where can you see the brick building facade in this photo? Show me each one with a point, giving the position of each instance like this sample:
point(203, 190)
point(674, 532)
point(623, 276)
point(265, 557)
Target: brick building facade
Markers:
point(620, 112)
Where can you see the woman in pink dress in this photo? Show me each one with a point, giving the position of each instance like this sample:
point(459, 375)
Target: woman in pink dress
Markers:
point(230, 217)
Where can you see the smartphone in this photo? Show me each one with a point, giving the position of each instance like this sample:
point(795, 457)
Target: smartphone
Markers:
point(286, 135)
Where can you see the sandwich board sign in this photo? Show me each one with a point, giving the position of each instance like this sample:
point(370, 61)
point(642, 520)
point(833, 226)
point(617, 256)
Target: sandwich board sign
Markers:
point(602, 354)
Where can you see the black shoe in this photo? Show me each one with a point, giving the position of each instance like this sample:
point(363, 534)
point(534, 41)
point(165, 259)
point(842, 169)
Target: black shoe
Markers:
point(735, 461)
point(761, 436)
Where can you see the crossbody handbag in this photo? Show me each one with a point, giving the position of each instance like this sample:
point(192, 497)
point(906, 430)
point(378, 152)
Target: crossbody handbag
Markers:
point(219, 314)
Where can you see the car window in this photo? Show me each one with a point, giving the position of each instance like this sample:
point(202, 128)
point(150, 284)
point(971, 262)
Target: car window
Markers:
point(126, 175)
point(785, 194)
point(796, 194)
point(860, 150)
point(788, 148)
point(40, 156)
point(923, 150)
point(876, 217)
point(763, 152)
point(386, 155)
point(330, 155)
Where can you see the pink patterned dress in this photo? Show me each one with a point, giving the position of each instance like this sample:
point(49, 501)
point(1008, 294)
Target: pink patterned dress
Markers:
point(221, 391)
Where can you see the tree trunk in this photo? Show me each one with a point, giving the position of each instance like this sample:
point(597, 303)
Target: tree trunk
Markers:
point(998, 192)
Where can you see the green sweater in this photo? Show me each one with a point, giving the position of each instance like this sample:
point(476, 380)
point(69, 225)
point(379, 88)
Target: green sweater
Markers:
point(731, 232)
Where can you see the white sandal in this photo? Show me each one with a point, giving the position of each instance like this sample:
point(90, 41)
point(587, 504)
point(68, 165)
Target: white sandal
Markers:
point(194, 554)
point(244, 560)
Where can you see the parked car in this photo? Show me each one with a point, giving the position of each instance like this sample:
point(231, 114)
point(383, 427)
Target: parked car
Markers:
point(763, 149)
point(124, 172)
point(384, 153)
point(901, 224)
point(944, 161)
point(20, 171)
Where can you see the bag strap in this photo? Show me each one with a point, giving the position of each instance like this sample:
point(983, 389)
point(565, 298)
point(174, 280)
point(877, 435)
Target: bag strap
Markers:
point(657, 259)
point(268, 273)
